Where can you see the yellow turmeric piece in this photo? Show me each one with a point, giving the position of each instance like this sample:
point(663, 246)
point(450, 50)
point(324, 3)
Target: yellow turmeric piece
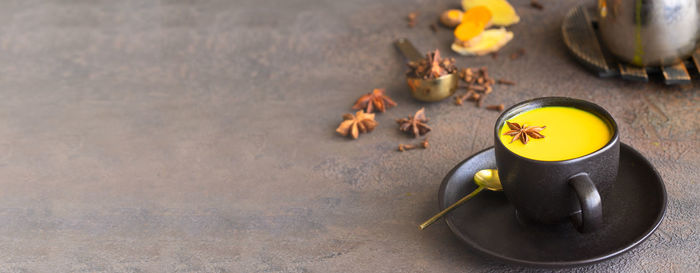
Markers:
point(489, 41)
point(478, 14)
point(474, 21)
point(503, 13)
point(451, 18)
point(468, 30)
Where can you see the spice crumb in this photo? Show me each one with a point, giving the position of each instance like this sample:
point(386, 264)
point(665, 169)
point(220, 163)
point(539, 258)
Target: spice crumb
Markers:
point(412, 19)
point(536, 4)
point(433, 27)
point(517, 54)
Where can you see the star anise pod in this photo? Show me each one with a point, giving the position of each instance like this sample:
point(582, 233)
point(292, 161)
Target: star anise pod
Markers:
point(432, 66)
point(375, 100)
point(435, 70)
point(523, 133)
point(361, 122)
point(415, 124)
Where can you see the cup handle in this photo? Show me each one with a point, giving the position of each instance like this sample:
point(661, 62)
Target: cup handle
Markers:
point(590, 217)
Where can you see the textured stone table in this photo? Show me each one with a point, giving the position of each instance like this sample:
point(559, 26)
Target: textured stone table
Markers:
point(198, 136)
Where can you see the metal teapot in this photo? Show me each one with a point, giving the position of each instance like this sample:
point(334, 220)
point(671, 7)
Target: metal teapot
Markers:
point(649, 32)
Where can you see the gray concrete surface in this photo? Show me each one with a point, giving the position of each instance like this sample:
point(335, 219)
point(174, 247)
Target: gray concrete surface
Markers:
point(198, 136)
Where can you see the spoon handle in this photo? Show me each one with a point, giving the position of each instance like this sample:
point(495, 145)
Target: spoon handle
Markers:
point(408, 50)
point(450, 208)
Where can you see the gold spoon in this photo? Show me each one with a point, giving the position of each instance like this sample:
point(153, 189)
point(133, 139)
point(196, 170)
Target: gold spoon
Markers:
point(486, 179)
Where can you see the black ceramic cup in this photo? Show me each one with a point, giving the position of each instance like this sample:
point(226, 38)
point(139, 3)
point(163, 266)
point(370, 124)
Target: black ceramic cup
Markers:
point(551, 192)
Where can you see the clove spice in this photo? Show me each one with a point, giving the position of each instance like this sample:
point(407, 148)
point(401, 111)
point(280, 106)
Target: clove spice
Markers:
point(460, 99)
point(404, 147)
point(498, 108)
point(478, 85)
point(504, 81)
point(423, 144)
point(480, 100)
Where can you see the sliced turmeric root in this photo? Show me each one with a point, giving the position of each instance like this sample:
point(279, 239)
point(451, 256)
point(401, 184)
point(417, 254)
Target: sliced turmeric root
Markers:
point(468, 30)
point(474, 21)
point(503, 13)
point(478, 14)
point(451, 18)
point(489, 41)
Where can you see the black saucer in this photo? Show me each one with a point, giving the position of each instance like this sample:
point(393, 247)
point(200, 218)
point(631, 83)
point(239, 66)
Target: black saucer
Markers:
point(488, 224)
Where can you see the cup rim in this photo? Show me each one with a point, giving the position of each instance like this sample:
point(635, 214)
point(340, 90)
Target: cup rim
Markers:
point(557, 101)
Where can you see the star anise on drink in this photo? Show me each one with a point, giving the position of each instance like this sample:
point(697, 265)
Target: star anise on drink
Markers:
point(375, 100)
point(361, 122)
point(415, 124)
point(523, 133)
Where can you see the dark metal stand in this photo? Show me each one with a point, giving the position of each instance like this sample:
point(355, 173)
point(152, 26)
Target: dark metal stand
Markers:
point(579, 31)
